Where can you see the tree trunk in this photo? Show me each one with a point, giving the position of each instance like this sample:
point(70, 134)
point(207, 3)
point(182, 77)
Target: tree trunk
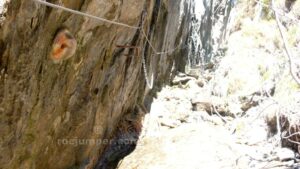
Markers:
point(56, 115)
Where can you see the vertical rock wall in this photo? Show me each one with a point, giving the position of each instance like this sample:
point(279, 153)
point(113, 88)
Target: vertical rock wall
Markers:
point(208, 30)
point(56, 115)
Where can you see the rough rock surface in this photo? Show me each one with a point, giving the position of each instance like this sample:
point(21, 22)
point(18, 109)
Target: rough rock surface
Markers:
point(57, 115)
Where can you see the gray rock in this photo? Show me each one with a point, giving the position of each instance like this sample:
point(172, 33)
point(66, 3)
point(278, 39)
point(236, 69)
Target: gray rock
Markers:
point(285, 154)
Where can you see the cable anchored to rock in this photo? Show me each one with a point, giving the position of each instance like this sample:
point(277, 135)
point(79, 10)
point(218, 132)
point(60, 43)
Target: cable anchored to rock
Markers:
point(83, 14)
point(149, 84)
point(107, 21)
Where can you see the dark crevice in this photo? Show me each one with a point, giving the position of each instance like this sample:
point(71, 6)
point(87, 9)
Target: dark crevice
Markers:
point(127, 64)
point(152, 24)
point(2, 49)
point(96, 91)
point(81, 5)
point(122, 142)
point(205, 30)
point(116, 55)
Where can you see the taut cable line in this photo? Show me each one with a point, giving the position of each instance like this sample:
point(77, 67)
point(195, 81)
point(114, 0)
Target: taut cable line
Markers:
point(107, 21)
point(83, 14)
point(148, 82)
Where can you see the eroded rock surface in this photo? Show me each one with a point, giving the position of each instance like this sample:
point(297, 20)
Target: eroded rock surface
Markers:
point(58, 115)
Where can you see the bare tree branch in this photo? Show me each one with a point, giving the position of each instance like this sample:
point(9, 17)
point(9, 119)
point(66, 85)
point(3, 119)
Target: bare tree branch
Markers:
point(287, 50)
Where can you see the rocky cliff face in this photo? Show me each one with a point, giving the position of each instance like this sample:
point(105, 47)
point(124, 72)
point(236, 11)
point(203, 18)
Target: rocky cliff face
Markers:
point(210, 21)
point(58, 115)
